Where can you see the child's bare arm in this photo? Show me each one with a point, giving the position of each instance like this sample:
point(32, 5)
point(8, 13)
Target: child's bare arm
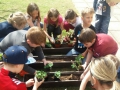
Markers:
point(88, 58)
point(45, 31)
point(29, 21)
point(85, 53)
point(85, 81)
point(85, 72)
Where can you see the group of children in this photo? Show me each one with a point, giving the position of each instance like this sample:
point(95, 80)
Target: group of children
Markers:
point(90, 40)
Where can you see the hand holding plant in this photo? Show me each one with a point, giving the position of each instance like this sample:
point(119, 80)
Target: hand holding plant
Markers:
point(49, 65)
point(78, 62)
point(40, 75)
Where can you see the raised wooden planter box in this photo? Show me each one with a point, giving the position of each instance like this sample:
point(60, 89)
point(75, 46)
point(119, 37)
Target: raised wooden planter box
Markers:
point(59, 62)
point(63, 64)
point(56, 51)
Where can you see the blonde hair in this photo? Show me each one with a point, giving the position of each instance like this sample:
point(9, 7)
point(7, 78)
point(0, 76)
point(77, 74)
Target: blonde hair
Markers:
point(114, 59)
point(36, 35)
point(87, 10)
point(104, 70)
point(18, 18)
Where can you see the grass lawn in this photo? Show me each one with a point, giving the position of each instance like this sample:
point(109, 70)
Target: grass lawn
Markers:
point(10, 6)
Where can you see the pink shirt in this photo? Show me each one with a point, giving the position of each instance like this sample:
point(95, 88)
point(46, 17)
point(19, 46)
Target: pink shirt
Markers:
point(60, 20)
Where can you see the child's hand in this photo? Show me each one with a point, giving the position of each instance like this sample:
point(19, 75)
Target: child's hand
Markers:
point(111, 3)
point(29, 83)
point(84, 66)
point(37, 84)
point(46, 62)
point(52, 40)
point(29, 21)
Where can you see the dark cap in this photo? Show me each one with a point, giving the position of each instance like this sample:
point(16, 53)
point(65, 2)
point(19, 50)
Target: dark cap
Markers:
point(15, 55)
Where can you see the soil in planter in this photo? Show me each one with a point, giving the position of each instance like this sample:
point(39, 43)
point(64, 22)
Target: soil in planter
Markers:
point(63, 78)
point(57, 60)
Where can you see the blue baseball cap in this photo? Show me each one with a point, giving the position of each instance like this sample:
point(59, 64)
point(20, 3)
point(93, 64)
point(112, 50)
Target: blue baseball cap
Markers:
point(15, 55)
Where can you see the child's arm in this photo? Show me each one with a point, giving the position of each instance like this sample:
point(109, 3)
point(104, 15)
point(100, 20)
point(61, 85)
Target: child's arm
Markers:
point(84, 81)
point(85, 53)
point(61, 26)
point(29, 21)
point(45, 31)
point(88, 59)
point(37, 84)
point(85, 71)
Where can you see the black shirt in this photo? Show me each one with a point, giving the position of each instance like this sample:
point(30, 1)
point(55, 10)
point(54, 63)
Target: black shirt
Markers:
point(79, 47)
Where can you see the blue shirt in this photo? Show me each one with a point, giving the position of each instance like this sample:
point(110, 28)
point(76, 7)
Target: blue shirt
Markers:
point(5, 29)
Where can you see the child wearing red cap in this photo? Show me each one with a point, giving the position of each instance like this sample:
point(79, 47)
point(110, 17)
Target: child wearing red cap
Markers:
point(14, 59)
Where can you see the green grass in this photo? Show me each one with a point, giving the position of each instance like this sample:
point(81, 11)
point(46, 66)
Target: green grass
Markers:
point(11, 6)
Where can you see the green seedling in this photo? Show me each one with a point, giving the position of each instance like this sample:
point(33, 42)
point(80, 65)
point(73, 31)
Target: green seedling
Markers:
point(40, 75)
point(79, 59)
point(49, 65)
point(78, 62)
point(57, 74)
point(48, 45)
point(74, 66)
point(1, 54)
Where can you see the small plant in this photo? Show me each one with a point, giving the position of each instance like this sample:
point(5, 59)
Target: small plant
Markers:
point(78, 62)
point(1, 54)
point(49, 65)
point(57, 41)
point(74, 66)
point(57, 74)
point(48, 45)
point(40, 75)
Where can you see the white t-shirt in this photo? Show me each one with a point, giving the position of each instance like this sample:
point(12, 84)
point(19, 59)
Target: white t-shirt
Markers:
point(78, 21)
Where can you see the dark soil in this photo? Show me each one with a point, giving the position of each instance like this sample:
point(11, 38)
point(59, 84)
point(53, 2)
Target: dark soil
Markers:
point(63, 78)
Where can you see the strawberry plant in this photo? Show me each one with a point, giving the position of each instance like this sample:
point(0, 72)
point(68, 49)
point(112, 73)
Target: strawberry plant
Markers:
point(78, 62)
point(40, 75)
point(49, 65)
point(57, 74)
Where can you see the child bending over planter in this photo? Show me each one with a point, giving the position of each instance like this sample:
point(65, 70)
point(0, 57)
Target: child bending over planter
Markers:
point(15, 21)
point(87, 17)
point(32, 40)
point(102, 73)
point(98, 44)
point(14, 59)
point(71, 20)
point(53, 24)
